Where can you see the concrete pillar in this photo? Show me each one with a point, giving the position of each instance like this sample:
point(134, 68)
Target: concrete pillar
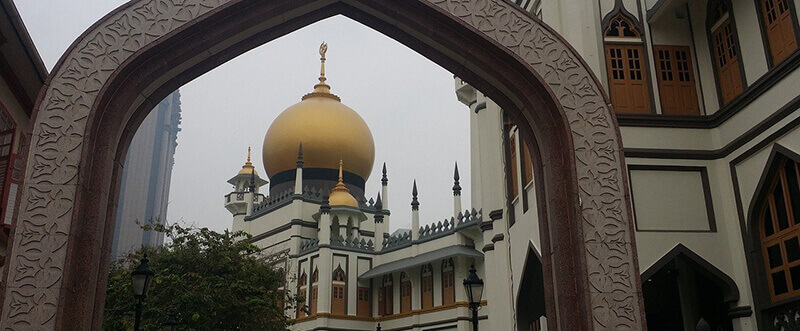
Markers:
point(352, 286)
point(325, 265)
point(380, 228)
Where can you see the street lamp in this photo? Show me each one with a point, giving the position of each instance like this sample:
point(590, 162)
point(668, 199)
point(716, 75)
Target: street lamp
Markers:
point(171, 324)
point(141, 277)
point(474, 287)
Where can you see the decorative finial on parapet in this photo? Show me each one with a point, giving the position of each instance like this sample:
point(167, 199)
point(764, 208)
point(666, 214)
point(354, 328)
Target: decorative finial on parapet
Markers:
point(456, 185)
point(384, 179)
point(300, 156)
point(414, 201)
point(379, 203)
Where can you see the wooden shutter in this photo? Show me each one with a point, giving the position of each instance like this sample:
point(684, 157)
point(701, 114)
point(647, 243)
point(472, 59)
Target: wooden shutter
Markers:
point(780, 28)
point(314, 299)
point(381, 301)
point(627, 79)
point(405, 297)
point(338, 302)
point(427, 291)
point(512, 146)
point(301, 311)
point(448, 287)
point(727, 62)
point(362, 306)
point(389, 297)
point(676, 80)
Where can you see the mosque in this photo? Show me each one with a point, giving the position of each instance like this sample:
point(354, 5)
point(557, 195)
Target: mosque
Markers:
point(332, 241)
point(711, 141)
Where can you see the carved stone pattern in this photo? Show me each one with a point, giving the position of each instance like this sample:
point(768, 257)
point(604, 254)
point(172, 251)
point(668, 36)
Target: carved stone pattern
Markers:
point(606, 223)
point(35, 269)
point(39, 251)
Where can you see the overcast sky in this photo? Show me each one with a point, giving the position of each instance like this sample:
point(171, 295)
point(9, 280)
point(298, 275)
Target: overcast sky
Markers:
point(409, 103)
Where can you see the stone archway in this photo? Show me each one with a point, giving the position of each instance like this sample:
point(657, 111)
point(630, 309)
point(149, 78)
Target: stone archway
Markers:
point(105, 84)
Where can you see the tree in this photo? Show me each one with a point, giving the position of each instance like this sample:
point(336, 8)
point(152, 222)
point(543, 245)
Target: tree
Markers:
point(209, 280)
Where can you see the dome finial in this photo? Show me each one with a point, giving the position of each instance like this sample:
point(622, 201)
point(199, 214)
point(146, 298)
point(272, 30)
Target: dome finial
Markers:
point(340, 171)
point(340, 194)
point(322, 87)
point(248, 168)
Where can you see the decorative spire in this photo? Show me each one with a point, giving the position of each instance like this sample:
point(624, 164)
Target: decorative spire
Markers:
point(384, 179)
point(379, 209)
point(322, 89)
point(456, 186)
point(340, 187)
point(414, 201)
point(300, 156)
point(248, 167)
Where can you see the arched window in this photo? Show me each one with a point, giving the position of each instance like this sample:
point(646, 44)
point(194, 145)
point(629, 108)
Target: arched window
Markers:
point(779, 224)
point(338, 291)
point(426, 286)
point(302, 290)
point(625, 64)
point(779, 28)
point(386, 297)
point(448, 282)
point(405, 293)
point(725, 50)
point(314, 291)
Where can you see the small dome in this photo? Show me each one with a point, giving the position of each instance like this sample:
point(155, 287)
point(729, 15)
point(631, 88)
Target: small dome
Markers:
point(248, 167)
point(340, 195)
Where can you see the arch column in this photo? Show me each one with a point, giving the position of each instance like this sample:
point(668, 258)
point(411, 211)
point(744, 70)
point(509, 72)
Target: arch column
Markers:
point(107, 81)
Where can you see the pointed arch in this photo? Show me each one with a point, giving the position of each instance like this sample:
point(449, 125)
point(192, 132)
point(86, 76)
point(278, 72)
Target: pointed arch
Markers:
point(626, 62)
point(730, 289)
point(682, 288)
point(774, 223)
point(530, 301)
point(113, 74)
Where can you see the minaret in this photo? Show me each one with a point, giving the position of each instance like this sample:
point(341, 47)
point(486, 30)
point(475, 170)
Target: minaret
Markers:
point(414, 213)
point(456, 193)
point(245, 194)
point(298, 176)
point(385, 188)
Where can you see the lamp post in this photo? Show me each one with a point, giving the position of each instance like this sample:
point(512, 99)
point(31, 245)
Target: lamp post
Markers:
point(171, 324)
point(474, 287)
point(141, 277)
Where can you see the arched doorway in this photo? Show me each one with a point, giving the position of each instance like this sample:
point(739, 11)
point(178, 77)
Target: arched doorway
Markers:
point(104, 85)
point(530, 298)
point(681, 289)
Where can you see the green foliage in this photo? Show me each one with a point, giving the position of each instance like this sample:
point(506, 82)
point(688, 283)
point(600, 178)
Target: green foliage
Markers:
point(209, 280)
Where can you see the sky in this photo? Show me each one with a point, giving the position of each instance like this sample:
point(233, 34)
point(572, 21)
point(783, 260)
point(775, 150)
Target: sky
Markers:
point(409, 103)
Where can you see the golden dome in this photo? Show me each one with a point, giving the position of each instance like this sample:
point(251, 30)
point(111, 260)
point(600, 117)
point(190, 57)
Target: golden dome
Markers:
point(248, 167)
point(340, 195)
point(328, 130)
